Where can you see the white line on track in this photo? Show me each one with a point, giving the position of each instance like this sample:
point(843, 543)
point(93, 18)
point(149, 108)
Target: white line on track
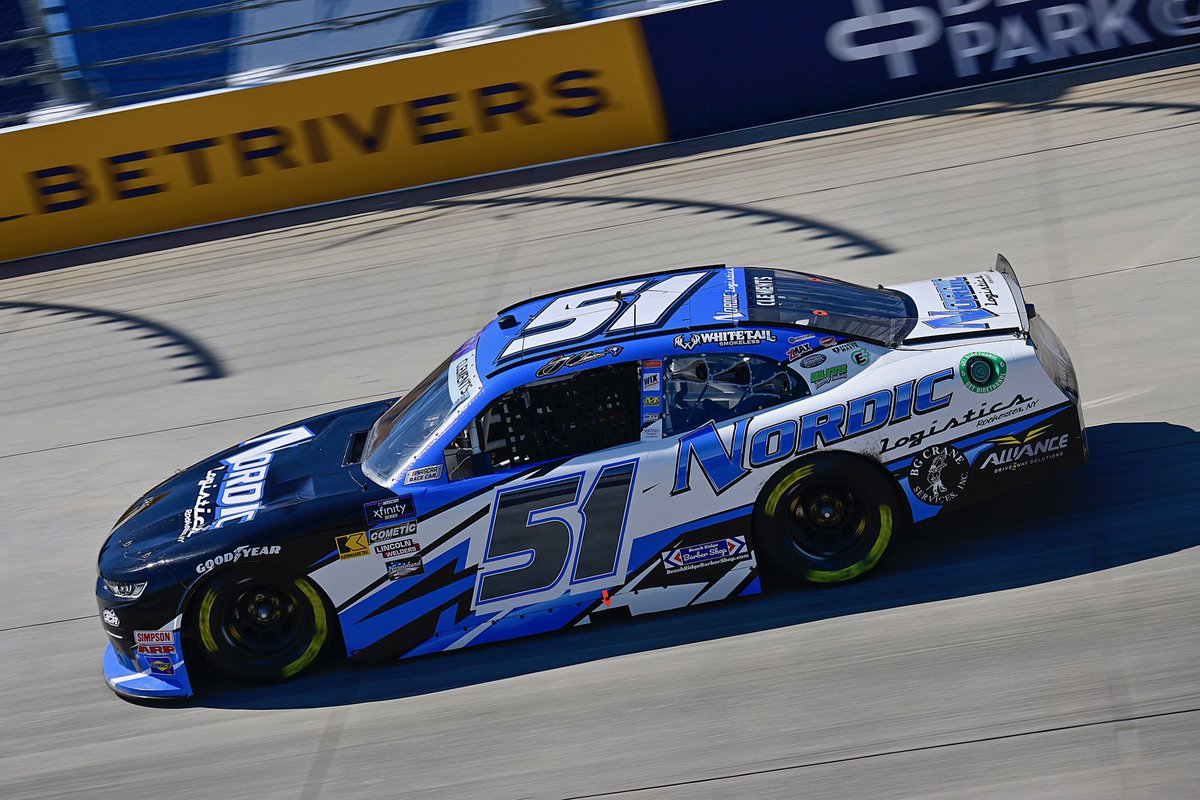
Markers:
point(1115, 398)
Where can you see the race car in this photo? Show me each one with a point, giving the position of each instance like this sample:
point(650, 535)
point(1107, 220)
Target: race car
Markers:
point(632, 446)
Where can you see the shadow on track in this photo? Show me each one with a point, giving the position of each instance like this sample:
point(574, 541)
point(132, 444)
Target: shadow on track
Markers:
point(1137, 499)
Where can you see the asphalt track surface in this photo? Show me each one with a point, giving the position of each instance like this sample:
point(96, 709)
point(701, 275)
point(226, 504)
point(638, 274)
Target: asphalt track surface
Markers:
point(1047, 645)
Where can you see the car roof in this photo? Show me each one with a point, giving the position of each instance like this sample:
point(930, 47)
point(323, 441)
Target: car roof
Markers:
point(605, 314)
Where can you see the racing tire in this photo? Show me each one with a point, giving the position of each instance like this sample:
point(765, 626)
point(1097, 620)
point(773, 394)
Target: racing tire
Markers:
point(827, 519)
point(259, 624)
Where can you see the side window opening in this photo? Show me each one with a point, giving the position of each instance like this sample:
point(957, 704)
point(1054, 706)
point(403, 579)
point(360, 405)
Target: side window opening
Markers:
point(555, 418)
point(716, 387)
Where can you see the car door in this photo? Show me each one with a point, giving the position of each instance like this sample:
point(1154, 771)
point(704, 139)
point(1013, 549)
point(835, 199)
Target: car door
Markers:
point(546, 473)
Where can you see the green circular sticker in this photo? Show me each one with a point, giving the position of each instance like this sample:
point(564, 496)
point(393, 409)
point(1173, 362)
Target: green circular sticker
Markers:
point(982, 372)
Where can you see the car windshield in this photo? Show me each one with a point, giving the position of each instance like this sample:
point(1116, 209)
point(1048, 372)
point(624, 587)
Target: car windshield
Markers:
point(881, 315)
point(407, 425)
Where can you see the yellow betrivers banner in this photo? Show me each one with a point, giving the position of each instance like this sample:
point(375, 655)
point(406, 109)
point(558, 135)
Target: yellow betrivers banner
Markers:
point(405, 122)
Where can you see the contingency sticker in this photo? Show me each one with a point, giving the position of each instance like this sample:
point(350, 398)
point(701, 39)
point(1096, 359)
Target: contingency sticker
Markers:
point(388, 510)
point(155, 643)
point(352, 545)
point(404, 568)
point(694, 556)
point(652, 392)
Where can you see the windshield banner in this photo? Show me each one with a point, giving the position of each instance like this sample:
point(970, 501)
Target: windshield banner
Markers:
point(464, 380)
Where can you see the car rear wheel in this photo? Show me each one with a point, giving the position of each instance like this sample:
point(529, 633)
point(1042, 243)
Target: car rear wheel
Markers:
point(828, 519)
point(261, 625)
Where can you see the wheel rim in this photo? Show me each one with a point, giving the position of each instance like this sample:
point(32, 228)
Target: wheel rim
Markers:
point(266, 620)
point(825, 520)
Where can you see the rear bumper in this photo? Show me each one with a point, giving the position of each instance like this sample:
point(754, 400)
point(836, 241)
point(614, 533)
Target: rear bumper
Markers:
point(147, 677)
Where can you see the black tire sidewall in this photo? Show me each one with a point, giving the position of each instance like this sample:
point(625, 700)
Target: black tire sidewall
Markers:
point(220, 589)
point(887, 519)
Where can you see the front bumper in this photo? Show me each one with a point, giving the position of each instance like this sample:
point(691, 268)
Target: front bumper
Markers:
point(147, 677)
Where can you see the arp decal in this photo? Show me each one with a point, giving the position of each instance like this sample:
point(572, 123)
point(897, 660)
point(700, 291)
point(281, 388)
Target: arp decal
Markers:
point(156, 649)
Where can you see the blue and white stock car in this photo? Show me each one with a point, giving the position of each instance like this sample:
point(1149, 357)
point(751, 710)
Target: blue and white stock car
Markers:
point(622, 448)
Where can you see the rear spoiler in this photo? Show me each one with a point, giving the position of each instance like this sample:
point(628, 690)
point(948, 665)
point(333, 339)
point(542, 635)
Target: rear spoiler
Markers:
point(1010, 277)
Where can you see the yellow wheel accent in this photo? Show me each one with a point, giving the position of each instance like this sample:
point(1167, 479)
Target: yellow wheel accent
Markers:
point(784, 485)
point(870, 560)
point(319, 634)
point(206, 605)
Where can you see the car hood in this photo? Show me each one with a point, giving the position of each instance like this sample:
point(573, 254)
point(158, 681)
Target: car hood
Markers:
point(237, 493)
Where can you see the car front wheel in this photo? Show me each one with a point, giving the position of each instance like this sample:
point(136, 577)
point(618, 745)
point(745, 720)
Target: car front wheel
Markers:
point(261, 625)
